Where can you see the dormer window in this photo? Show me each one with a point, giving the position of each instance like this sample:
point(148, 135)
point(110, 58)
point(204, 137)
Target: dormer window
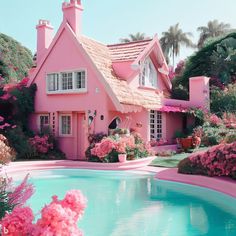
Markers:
point(148, 75)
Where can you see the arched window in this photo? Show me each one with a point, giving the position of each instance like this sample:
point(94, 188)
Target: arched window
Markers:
point(148, 75)
point(115, 123)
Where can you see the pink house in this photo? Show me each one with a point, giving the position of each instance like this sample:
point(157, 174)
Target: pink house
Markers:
point(87, 87)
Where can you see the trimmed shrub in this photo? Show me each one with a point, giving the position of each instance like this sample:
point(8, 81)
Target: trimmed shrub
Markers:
point(220, 160)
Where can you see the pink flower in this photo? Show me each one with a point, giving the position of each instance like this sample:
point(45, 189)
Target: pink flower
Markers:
point(103, 148)
point(21, 193)
point(217, 161)
point(1, 119)
point(60, 216)
point(214, 119)
point(41, 144)
point(18, 222)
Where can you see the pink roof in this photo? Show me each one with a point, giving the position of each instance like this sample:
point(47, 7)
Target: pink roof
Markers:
point(127, 51)
point(102, 58)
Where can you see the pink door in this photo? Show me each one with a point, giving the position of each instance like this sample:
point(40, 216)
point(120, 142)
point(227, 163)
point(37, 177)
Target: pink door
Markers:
point(81, 136)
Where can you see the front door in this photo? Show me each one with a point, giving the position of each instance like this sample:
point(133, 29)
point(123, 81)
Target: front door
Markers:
point(81, 136)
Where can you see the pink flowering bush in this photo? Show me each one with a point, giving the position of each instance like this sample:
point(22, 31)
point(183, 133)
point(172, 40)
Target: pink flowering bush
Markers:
point(219, 160)
point(60, 216)
point(158, 142)
point(108, 149)
point(41, 144)
point(18, 222)
point(229, 119)
point(57, 218)
point(103, 148)
point(214, 120)
point(11, 197)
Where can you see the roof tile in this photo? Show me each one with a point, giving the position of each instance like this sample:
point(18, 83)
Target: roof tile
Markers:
point(103, 55)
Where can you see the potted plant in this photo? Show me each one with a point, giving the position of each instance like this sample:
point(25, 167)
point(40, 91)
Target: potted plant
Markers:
point(183, 141)
point(122, 157)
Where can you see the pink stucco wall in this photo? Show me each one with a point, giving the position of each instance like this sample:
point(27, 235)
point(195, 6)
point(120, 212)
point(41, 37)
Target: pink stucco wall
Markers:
point(173, 124)
point(66, 56)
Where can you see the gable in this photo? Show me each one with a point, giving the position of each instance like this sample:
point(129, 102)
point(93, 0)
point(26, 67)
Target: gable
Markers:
point(67, 51)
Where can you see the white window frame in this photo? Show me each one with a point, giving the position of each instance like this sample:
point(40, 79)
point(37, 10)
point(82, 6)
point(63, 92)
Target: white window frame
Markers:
point(156, 125)
point(74, 89)
point(40, 128)
point(60, 125)
point(148, 76)
point(55, 84)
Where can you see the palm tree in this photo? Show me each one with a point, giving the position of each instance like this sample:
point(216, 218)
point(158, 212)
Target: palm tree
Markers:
point(213, 29)
point(173, 39)
point(134, 37)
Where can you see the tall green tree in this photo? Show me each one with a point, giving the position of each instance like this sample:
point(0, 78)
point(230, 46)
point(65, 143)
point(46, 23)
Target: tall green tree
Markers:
point(134, 37)
point(15, 59)
point(213, 29)
point(173, 39)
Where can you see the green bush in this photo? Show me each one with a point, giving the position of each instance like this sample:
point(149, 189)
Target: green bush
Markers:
point(19, 141)
point(233, 175)
point(223, 100)
point(185, 166)
point(213, 135)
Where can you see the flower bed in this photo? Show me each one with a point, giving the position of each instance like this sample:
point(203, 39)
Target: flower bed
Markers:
point(107, 149)
point(219, 160)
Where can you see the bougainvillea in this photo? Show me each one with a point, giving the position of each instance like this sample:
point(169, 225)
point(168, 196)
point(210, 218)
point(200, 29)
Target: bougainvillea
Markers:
point(41, 144)
point(18, 222)
point(219, 160)
point(108, 148)
point(57, 218)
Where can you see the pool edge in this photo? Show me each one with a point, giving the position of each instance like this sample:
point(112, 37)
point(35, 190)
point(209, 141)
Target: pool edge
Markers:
point(219, 184)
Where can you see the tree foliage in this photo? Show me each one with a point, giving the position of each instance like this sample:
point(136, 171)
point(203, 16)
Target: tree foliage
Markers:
point(216, 60)
point(212, 30)
point(134, 37)
point(223, 100)
point(173, 39)
point(15, 59)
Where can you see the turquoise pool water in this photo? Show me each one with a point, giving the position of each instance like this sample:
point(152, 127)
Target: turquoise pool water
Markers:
point(134, 204)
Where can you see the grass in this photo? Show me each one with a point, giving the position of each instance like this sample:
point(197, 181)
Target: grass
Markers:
point(173, 161)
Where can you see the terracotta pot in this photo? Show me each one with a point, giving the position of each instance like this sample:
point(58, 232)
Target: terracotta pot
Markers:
point(122, 157)
point(186, 143)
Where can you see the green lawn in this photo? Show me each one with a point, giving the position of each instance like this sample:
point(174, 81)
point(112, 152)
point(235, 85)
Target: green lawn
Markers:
point(173, 161)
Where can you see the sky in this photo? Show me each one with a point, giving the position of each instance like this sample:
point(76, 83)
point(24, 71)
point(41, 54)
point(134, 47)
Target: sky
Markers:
point(109, 20)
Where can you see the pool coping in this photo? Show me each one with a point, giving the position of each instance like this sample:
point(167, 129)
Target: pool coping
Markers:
point(140, 164)
point(221, 184)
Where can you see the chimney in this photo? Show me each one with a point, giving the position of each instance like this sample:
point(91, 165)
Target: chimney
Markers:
point(72, 13)
point(199, 94)
point(44, 38)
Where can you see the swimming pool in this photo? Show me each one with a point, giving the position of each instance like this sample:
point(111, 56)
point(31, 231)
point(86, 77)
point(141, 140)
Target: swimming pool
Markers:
point(135, 203)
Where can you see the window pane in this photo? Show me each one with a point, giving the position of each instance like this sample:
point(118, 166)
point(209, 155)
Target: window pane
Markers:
point(80, 79)
point(67, 81)
point(65, 124)
point(155, 124)
point(148, 74)
point(52, 82)
point(44, 123)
